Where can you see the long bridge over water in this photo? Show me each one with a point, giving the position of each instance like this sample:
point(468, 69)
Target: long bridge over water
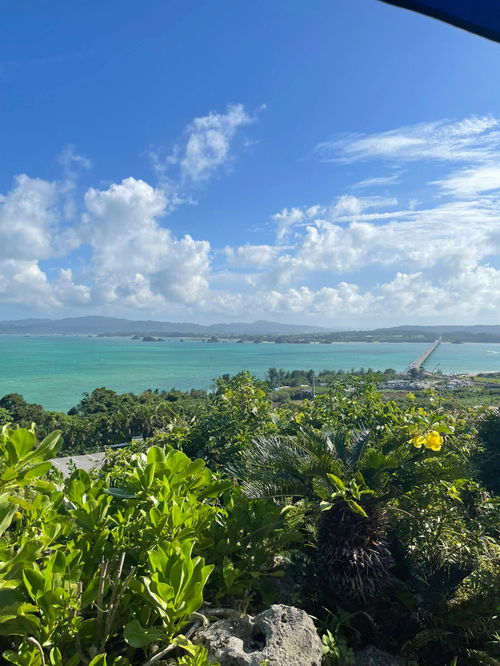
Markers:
point(418, 362)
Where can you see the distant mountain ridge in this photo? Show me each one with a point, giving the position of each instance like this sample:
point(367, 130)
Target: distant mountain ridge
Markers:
point(113, 325)
point(97, 325)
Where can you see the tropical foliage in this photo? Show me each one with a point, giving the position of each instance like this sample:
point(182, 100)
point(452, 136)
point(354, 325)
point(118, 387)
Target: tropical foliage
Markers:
point(94, 572)
point(104, 417)
point(377, 517)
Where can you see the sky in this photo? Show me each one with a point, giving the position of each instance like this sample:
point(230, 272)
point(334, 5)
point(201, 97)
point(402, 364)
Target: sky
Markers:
point(329, 163)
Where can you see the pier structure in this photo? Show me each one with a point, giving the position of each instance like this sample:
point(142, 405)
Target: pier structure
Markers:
point(418, 362)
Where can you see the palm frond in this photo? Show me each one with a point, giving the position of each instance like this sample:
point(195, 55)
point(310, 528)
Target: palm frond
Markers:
point(357, 443)
point(298, 465)
point(258, 489)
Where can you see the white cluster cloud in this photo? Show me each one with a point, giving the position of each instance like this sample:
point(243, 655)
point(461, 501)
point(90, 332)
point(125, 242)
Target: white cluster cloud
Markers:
point(360, 259)
point(293, 217)
point(251, 256)
point(345, 298)
point(30, 232)
point(208, 142)
point(135, 262)
point(348, 206)
point(28, 219)
point(134, 258)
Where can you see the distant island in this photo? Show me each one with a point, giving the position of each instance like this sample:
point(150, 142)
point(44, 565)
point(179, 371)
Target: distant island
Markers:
point(257, 332)
point(127, 327)
point(454, 334)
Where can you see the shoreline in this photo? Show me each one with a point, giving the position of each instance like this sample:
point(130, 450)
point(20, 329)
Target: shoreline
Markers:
point(244, 338)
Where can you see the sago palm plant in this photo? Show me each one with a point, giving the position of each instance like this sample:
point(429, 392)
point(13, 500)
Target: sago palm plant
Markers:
point(327, 470)
point(353, 478)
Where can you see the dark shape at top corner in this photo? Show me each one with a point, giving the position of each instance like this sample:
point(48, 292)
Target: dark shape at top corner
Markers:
point(481, 17)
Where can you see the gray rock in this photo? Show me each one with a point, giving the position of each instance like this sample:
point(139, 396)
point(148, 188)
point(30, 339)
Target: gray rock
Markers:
point(372, 656)
point(280, 636)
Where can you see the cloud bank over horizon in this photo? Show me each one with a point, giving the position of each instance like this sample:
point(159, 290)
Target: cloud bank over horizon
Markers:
point(417, 239)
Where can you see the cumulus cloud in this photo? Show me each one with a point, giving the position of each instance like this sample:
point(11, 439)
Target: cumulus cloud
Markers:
point(251, 256)
point(31, 231)
point(288, 218)
point(407, 296)
point(208, 146)
point(22, 281)
point(136, 261)
point(464, 296)
point(348, 206)
point(29, 219)
point(326, 302)
point(208, 143)
point(343, 299)
point(66, 291)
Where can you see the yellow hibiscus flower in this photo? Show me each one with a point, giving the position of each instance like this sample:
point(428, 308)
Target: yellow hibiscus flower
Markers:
point(433, 441)
point(417, 441)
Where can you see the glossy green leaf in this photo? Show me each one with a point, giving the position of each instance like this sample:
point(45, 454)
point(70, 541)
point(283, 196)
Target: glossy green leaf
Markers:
point(38, 470)
point(338, 482)
point(357, 508)
point(139, 637)
point(23, 441)
point(99, 660)
point(7, 511)
point(121, 493)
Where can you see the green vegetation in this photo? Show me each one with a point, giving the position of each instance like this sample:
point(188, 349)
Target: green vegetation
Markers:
point(103, 417)
point(376, 516)
point(427, 334)
point(488, 378)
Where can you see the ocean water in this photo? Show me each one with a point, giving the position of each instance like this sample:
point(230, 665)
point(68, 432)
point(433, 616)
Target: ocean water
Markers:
point(55, 371)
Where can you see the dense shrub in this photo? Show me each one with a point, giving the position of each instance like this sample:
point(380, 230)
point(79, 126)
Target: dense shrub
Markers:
point(111, 568)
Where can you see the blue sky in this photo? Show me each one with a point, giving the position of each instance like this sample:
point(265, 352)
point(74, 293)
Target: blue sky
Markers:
point(335, 163)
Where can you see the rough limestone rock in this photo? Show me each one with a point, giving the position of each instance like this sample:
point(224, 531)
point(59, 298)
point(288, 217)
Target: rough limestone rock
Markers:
point(282, 635)
point(372, 656)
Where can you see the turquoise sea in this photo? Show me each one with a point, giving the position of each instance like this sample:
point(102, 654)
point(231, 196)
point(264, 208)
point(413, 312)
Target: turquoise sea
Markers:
point(54, 371)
